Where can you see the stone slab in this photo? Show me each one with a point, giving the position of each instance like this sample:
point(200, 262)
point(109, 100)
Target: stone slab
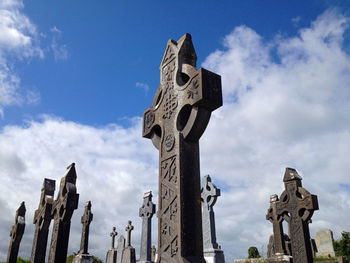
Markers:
point(83, 258)
point(324, 241)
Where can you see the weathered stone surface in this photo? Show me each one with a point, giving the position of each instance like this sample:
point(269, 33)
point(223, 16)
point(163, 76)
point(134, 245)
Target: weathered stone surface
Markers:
point(146, 213)
point(129, 255)
point(209, 195)
point(83, 255)
point(62, 211)
point(42, 220)
point(16, 234)
point(111, 256)
point(154, 252)
point(176, 120)
point(120, 249)
point(297, 205)
point(325, 243)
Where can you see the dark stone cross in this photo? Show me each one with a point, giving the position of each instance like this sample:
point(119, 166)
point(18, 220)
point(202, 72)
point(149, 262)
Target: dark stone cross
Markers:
point(16, 234)
point(62, 211)
point(128, 229)
point(113, 234)
point(42, 220)
point(176, 120)
point(297, 206)
point(85, 220)
point(146, 212)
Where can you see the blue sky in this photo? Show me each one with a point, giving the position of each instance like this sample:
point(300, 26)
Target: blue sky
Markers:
point(76, 76)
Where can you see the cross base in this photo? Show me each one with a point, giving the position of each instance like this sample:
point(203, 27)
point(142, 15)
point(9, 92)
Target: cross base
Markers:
point(214, 256)
point(129, 255)
point(280, 258)
point(111, 255)
point(83, 258)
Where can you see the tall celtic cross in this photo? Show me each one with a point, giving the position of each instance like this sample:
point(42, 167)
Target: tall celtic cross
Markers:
point(62, 211)
point(297, 206)
point(176, 120)
point(85, 220)
point(276, 220)
point(16, 234)
point(113, 234)
point(42, 220)
point(146, 213)
point(128, 229)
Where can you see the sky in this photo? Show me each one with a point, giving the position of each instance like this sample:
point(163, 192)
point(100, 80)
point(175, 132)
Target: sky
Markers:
point(76, 76)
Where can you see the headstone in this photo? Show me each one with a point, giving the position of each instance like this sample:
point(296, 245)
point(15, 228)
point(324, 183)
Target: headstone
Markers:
point(16, 234)
point(209, 194)
point(277, 251)
point(325, 243)
point(83, 256)
point(146, 212)
point(129, 255)
point(62, 211)
point(120, 249)
point(42, 220)
point(154, 251)
point(297, 206)
point(176, 120)
point(112, 252)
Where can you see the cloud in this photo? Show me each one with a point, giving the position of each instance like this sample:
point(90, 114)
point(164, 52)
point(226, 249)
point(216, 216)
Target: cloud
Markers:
point(143, 86)
point(18, 40)
point(286, 103)
point(60, 52)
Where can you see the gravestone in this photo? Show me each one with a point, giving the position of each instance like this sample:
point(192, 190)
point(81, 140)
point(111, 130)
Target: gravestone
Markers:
point(16, 234)
point(297, 206)
point(325, 243)
point(42, 220)
point(83, 256)
point(176, 120)
point(62, 211)
point(211, 250)
point(120, 249)
point(129, 255)
point(146, 213)
point(112, 252)
point(154, 251)
point(277, 251)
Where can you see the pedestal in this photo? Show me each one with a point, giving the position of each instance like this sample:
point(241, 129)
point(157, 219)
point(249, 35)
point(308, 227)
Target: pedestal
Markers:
point(214, 256)
point(83, 258)
point(111, 255)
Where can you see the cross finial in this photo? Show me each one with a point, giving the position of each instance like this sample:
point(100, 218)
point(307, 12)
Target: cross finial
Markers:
point(209, 192)
point(128, 229)
point(148, 208)
point(113, 234)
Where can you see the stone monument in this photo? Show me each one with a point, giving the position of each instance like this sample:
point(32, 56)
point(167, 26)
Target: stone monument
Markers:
point(42, 220)
point(62, 211)
point(129, 255)
point(146, 213)
point(112, 252)
point(83, 256)
point(154, 253)
point(209, 194)
point(176, 120)
point(325, 243)
point(277, 251)
point(120, 249)
point(16, 234)
point(297, 206)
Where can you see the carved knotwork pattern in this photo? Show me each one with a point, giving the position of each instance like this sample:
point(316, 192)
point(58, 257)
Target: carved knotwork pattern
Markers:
point(192, 88)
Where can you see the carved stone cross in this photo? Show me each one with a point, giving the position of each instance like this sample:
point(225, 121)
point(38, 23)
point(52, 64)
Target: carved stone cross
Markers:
point(128, 229)
point(16, 234)
point(42, 220)
point(297, 206)
point(176, 120)
point(85, 220)
point(279, 247)
point(146, 212)
point(113, 234)
point(62, 211)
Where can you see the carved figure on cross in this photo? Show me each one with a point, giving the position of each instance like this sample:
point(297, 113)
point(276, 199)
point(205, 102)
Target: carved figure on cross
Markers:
point(128, 229)
point(113, 234)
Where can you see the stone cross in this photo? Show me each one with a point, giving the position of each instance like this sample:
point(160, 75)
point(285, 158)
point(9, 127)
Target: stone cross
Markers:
point(42, 220)
point(85, 220)
point(128, 229)
point(176, 120)
point(278, 246)
point(113, 234)
point(62, 211)
point(16, 234)
point(297, 206)
point(146, 212)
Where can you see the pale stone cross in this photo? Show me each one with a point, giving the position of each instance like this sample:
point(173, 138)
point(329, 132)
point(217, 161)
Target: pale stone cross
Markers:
point(176, 120)
point(113, 234)
point(297, 206)
point(128, 229)
point(86, 220)
point(42, 220)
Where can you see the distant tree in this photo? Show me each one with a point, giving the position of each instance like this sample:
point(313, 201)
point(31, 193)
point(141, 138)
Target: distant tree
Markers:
point(21, 260)
point(342, 246)
point(71, 257)
point(253, 252)
point(96, 260)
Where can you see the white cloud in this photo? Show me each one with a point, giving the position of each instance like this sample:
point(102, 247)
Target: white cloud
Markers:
point(60, 52)
point(294, 112)
point(143, 86)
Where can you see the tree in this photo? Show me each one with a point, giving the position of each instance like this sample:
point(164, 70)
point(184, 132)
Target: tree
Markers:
point(253, 252)
point(21, 260)
point(342, 246)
